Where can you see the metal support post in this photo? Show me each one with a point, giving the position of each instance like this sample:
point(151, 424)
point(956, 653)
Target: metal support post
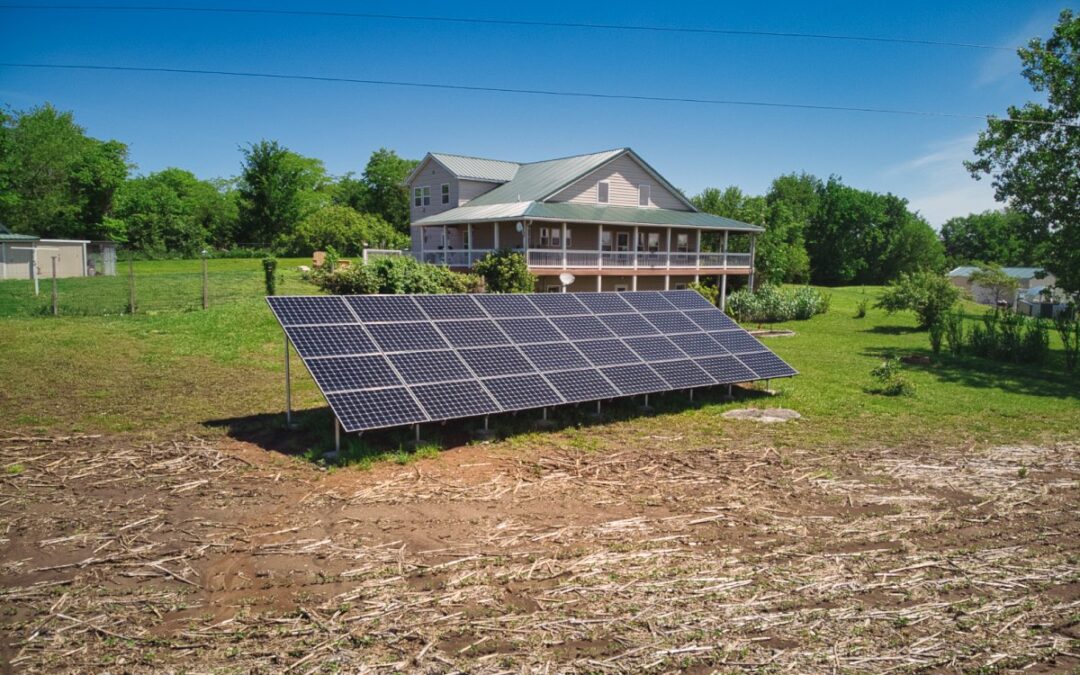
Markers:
point(205, 284)
point(417, 427)
point(337, 436)
point(55, 306)
point(691, 395)
point(288, 388)
point(131, 282)
point(34, 274)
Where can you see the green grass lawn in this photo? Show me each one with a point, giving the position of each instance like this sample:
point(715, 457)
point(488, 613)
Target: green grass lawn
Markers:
point(221, 371)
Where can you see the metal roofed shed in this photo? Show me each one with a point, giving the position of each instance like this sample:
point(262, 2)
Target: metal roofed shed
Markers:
point(393, 360)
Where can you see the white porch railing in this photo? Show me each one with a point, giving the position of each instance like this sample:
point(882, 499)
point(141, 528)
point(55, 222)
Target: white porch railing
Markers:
point(454, 258)
point(575, 259)
point(376, 253)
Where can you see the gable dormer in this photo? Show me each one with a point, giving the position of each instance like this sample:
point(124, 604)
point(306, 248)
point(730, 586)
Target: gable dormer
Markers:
point(443, 182)
point(623, 181)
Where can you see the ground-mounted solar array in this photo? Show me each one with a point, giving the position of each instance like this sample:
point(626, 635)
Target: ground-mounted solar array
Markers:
point(391, 360)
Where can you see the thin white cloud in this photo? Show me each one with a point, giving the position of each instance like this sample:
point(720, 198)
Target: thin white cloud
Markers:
point(1001, 65)
point(940, 186)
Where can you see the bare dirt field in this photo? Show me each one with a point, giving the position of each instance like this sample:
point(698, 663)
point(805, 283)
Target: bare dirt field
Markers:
point(669, 555)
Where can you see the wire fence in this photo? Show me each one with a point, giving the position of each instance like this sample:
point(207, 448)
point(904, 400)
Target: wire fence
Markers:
point(149, 286)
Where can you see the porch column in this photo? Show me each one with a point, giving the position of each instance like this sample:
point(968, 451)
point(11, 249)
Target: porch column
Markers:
point(495, 240)
point(444, 260)
point(667, 282)
point(633, 282)
point(725, 248)
point(635, 250)
point(753, 245)
point(564, 245)
point(468, 235)
point(668, 253)
point(599, 283)
point(423, 233)
point(599, 252)
point(723, 291)
point(697, 257)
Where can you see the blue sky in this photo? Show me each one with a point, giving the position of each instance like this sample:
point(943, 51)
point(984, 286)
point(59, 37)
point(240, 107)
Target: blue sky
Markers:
point(198, 122)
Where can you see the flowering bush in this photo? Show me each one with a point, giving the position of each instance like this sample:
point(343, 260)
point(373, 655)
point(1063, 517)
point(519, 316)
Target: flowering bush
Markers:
point(771, 303)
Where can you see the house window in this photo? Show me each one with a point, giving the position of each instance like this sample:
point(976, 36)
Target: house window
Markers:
point(680, 286)
point(682, 243)
point(649, 241)
point(605, 241)
point(602, 190)
point(554, 289)
point(621, 288)
point(545, 237)
point(446, 193)
point(567, 242)
point(422, 196)
point(622, 241)
point(644, 193)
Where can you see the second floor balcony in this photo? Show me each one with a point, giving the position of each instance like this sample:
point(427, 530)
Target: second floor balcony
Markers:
point(572, 259)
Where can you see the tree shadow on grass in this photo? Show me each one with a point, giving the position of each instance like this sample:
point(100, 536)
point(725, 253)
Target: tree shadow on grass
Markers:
point(1046, 380)
point(313, 434)
point(893, 330)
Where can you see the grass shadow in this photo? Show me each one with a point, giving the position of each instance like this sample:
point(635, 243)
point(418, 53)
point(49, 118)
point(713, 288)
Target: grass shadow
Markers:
point(1045, 380)
point(893, 330)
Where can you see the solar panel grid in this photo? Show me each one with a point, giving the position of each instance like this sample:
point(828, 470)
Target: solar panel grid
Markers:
point(475, 370)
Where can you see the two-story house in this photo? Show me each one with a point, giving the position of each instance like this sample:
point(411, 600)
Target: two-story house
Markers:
point(608, 218)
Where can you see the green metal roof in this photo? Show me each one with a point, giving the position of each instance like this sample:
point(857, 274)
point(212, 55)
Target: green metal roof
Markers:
point(540, 179)
point(477, 168)
point(1021, 273)
point(584, 213)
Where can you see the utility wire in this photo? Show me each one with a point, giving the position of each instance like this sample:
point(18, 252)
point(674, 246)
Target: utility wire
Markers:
point(516, 22)
point(535, 92)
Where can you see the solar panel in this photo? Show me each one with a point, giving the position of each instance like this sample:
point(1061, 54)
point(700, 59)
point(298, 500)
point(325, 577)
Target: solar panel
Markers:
point(450, 307)
point(375, 408)
point(348, 373)
point(581, 385)
point(421, 367)
point(330, 340)
point(554, 356)
point(493, 361)
point(530, 330)
point(406, 337)
point(448, 400)
point(295, 310)
point(521, 393)
point(636, 379)
point(481, 333)
point(385, 361)
point(385, 307)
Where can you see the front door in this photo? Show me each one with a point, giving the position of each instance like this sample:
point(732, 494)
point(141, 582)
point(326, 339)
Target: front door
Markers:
point(622, 241)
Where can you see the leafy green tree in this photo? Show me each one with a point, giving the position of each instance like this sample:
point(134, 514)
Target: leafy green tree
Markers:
point(276, 190)
point(387, 195)
point(505, 271)
point(929, 294)
point(994, 279)
point(350, 191)
point(55, 181)
point(343, 229)
point(1033, 155)
point(170, 210)
point(1005, 237)
point(792, 201)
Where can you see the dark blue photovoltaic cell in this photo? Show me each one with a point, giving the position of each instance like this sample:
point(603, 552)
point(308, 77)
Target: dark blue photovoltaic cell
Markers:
point(607, 352)
point(522, 331)
point(405, 337)
point(493, 361)
point(655, 348)
point(767, 365)
point(648, 301)
point(558, 304)
point(712, 319)
point(472, 333)
point(507, 305)
point(726, 369)
point(385, 308)
point(637, 379)
point(738, 341)
point(698, 345)
point(421, 367)
point(522, 392)
point(581, 385)
point(330, 340)
point(454, 399)
point(294, 310)
point(687, 300)
point(604, 303)
point(581, 327)
point(345, 373)
point(626, 325)
point(450, 307)
point(672, 322)
point(375, 408)
point(680, 374)
point(554, 356)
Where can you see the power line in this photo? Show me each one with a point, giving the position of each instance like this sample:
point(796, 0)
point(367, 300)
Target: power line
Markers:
point(519, 22)
point(535, 92)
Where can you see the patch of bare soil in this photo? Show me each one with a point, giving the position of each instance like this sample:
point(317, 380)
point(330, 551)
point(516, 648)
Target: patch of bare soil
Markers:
point(193, 556)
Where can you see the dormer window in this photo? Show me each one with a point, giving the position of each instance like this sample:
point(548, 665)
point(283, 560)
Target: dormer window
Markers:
point(644, 193)
point(422, 196)
point(446, 193)
point(603, 189)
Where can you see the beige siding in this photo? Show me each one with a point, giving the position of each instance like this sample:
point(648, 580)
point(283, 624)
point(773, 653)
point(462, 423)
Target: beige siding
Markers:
point(471, 189)
point(70, 261)
point(432, 175)
point(624, 175)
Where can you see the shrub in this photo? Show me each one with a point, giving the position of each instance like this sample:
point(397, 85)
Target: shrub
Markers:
point(937, 335)
point(710, 293)
point(928, 294)
point(860, 309)
point(505, 271)
point(397, 275)
point(270, 274)
point(953, 323)
point(1005, 336)
point(891, 381)
point(1068, 327)
point(771, 303)
point(342, 228)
